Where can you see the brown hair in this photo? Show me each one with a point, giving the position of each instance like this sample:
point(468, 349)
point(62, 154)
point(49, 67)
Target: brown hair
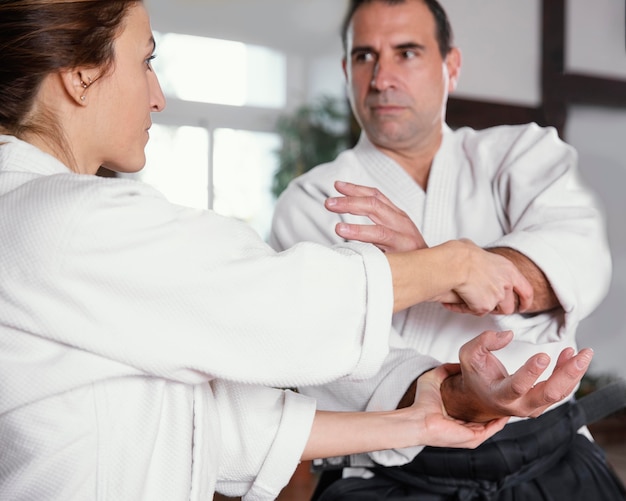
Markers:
point(443, 28)
point(40, 37)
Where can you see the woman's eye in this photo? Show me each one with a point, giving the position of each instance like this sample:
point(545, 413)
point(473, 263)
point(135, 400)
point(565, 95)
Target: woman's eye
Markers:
point(149, 61)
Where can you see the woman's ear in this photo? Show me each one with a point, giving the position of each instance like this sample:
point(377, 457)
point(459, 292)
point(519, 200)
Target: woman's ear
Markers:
point(76, 84)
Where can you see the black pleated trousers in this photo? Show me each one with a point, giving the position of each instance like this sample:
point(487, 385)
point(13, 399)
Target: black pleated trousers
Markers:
point(542, 459)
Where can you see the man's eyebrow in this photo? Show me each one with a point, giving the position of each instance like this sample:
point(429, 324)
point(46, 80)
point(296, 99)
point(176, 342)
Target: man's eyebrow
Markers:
point(401, 46)
point(410, 45)
point(361, 48)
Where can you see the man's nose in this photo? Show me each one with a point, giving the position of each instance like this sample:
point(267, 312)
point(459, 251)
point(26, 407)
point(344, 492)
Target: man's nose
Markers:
point(382, 76)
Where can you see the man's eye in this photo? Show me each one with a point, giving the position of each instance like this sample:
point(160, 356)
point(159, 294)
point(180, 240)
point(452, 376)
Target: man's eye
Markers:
point(363, 57)
point(409, 54)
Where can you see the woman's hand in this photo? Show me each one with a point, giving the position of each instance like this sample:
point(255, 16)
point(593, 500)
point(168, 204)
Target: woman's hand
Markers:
point(458, 272)
point(433, 423)
point(492, 283)
point(423, 423)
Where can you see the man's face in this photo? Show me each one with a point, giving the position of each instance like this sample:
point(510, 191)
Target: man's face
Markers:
point(398, 82)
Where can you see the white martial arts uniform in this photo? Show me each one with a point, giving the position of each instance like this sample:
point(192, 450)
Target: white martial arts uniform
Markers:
point(508, 186)
point(134, 335)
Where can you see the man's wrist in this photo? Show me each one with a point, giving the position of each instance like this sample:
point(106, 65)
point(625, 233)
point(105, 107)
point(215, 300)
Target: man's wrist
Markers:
point(409, 396)
point(463, 404)
point(451, 392)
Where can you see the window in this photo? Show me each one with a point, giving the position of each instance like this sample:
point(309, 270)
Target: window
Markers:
point(208, 70)
point(207, 155)
point(244, 163)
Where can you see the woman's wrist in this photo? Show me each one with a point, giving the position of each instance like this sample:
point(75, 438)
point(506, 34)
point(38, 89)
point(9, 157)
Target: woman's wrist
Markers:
point(343, 433)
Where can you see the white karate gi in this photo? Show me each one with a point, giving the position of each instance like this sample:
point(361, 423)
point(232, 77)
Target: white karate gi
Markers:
point(508, 186)
point(134, 335)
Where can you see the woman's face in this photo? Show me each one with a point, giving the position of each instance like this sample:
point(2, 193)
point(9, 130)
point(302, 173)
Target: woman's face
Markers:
point(126, 96)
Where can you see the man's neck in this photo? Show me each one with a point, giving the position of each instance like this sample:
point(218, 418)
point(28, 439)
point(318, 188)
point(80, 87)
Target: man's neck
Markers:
point(416, 161)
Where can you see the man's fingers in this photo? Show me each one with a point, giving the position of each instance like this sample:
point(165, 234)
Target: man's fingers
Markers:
point(363, 232)
point(568, 372)
point(357, 190)
point(362, 201)
point(522, 381)
point(475, 351)
point(358, 206)
point(491, 340)
point(566, 376)
point(564, 356)
point(392, 231)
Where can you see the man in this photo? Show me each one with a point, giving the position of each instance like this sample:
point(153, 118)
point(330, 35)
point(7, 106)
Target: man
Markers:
point(513, 190)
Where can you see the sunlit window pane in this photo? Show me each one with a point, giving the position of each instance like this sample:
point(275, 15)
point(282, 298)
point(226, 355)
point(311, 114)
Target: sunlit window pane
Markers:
point(216, 71)
point(243, 168)
point(177, 160)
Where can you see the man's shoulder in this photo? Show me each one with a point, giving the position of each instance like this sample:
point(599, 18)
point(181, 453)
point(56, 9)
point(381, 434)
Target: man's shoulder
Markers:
point(502, 139)
point(498, 132)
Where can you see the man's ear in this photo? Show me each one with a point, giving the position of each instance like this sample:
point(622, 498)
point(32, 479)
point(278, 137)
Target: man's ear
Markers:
point(344, 66)
point(76, 83)
point(453, 64)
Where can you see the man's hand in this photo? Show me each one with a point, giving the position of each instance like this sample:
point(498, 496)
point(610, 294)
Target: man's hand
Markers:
point(483, 390)
point(392, 231)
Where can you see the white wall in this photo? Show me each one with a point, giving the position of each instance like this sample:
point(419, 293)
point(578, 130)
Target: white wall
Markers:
point(599, 135)
point(500, 43)
point(596, 43)
point(500, 48)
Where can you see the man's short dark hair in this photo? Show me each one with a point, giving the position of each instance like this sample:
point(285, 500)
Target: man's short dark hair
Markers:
point(442, 23)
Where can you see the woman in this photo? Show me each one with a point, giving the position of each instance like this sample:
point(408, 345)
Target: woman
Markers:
point(135, 334)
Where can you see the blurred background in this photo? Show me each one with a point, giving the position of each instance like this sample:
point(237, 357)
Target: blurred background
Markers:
point(251, 83)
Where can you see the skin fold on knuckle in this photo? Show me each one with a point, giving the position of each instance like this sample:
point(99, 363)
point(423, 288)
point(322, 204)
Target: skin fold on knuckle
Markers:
point(518, 389)
point(384, 235)
point(551, 396)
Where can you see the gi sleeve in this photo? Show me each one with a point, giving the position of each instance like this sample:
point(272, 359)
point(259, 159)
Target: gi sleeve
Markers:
point(263, 433)
point(118, 271)
point(550, 216)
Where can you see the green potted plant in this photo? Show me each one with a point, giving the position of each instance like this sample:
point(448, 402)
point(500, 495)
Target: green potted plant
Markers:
point(313, 134)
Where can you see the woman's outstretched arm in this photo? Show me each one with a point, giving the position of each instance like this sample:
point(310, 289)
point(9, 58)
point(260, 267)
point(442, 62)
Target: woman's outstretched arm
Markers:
point(423, 423)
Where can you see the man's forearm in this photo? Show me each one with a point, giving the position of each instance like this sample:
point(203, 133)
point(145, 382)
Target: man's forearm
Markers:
point(409, 396)
point(544, 298)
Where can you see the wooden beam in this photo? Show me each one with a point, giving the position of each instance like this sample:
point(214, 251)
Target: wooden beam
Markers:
point(554, 102)
point(586, 89)
point(483, 114)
